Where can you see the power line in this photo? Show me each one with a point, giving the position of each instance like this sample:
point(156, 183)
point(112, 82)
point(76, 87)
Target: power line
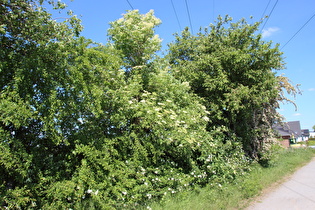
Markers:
point(213, 9)
point(130, 5)
point(191, 28)
point(180, 28)
point(262, 16)
point(269, 15)
point(298, 31)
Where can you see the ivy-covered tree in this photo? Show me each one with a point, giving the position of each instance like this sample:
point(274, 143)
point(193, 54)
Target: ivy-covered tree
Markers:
point(234, 71)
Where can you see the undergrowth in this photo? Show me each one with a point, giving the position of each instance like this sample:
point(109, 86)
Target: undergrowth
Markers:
point(242, 191)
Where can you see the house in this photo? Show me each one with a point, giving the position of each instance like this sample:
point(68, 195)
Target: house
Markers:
point(305, 134)
point(291, 130)
point(295, 129)
point(283, 131)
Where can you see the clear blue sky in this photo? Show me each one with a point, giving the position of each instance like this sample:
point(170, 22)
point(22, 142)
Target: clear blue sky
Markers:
point(287, 17)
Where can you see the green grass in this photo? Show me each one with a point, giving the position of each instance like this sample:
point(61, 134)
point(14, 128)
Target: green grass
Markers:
point(311, 142)
point(238, 195)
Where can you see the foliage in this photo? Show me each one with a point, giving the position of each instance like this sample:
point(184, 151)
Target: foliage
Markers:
point(310, 142)
point(133, 34)
point(232, 69)
point(91, 126)
point(240, 193)
point(85, 125)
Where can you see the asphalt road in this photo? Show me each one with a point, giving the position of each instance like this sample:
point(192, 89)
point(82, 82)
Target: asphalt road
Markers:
point(296, 193)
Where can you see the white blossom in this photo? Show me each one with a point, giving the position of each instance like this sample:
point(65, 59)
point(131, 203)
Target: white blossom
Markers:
point(205, 118)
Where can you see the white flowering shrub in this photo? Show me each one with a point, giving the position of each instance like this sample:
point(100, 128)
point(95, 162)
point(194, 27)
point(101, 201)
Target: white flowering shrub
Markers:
point(103, 127)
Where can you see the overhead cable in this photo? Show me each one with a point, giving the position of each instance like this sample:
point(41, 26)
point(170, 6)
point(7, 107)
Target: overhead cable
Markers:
point(180, 28)
point(298, 31)
point(130, 5)
point(191, 28)
point(269, 15)
point(262, 16)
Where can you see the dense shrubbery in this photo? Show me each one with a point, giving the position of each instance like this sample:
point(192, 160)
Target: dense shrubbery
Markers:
point(85, 125)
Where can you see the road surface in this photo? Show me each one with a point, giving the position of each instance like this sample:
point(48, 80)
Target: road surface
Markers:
point(296, 193)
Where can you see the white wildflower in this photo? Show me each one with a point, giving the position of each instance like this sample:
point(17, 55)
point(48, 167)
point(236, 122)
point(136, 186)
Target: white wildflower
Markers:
point(186, 84)
point(205, 118)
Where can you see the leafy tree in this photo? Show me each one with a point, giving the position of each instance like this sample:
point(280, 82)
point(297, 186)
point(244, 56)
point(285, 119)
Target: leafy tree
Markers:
point(234, 71)
point(86, 126)
point(133, 34)
point(313, 127)
point(41, 98)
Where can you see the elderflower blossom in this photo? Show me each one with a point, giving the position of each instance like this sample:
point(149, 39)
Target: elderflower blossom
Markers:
point(205, 118)
point(149, 196)
point(172, 117)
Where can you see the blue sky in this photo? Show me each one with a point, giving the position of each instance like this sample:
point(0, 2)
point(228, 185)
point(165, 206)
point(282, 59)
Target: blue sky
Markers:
point(287, 17)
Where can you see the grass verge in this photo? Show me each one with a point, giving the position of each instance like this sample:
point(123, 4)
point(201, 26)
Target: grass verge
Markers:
point(239, 194)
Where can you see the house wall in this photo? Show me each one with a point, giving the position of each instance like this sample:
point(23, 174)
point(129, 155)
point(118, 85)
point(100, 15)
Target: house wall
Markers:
point(285, 143)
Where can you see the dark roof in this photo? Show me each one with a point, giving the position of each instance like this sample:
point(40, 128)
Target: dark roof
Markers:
point(295, 128)
point(305, 132)
point(283, 133)
point(289, 128)
point(283, 130)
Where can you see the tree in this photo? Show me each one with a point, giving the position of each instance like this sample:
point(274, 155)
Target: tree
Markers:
point(41, 98)
point(313, 128)
point(133, 34)
point(234, 71)
point(84, 125)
